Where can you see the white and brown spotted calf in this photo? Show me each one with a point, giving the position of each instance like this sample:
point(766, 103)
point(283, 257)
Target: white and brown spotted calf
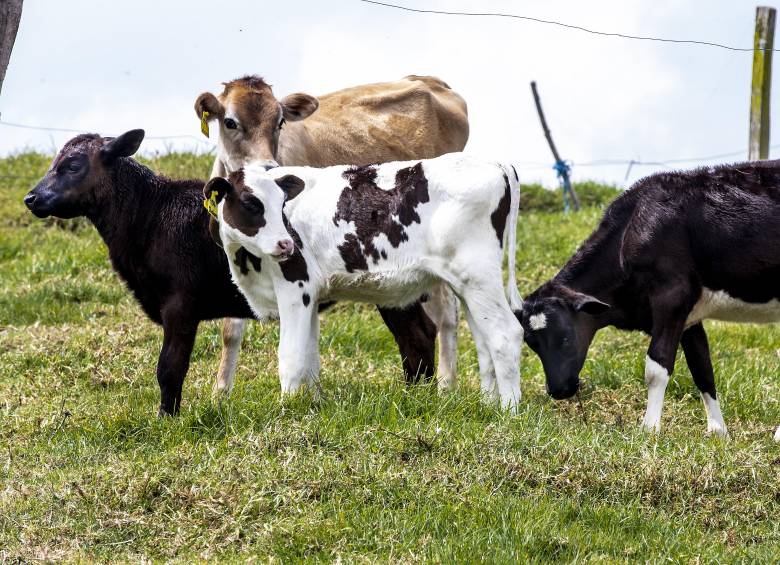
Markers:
point(416, 117)
point(384, 234)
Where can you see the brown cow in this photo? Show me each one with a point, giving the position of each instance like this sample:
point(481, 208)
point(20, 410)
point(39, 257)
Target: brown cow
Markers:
point(417, 117)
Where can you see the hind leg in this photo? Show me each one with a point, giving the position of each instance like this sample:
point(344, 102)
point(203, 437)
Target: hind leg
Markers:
point(502, 334)
point(442, 308)
point(697, 355)
point(487, 372)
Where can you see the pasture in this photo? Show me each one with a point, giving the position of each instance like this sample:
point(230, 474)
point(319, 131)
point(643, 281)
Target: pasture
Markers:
point(372, 471)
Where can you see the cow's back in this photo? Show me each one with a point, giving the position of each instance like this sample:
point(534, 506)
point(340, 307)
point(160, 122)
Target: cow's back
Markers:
point(722, 222)
point(417, 117)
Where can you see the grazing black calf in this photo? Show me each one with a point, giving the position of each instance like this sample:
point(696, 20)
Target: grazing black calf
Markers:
point(157, 233)
point(675, 249)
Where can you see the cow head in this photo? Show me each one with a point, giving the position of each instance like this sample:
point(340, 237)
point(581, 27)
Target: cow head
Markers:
point(559, 325)
point(81, 170)
point(250, 210)
point(250, 120)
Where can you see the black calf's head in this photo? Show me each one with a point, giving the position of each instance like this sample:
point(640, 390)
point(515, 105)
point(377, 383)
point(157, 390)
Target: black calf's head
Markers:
point(559, 325)
point(71, 185)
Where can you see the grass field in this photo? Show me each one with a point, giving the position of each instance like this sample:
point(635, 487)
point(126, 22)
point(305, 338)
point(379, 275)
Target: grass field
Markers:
point(372, 471)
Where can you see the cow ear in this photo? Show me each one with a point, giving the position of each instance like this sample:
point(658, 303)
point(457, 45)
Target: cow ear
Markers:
point(123, 146)
point(298, 106)
point(291, 185)
point(207, 102)
point(220, 186)
point(590, 305)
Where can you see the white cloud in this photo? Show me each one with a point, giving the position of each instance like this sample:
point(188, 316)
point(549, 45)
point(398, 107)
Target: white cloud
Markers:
point(98, 67)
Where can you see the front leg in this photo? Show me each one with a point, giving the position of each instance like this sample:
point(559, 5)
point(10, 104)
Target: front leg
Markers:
point(697, 354)
point(299, 361)
point(668, 324)
point(178, 338)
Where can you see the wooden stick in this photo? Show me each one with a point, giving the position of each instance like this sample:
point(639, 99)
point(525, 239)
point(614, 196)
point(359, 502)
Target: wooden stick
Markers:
point(763, 43)
point(561, 167)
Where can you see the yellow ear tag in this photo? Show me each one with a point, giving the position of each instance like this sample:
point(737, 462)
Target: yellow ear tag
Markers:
point(204, 124)
point(210, 204)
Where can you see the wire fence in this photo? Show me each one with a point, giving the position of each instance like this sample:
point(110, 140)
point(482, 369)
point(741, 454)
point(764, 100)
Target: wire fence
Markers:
point(567, 26)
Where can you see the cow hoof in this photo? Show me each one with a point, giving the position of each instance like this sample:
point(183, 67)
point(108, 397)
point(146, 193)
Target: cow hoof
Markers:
point(777, 434)
point(650, 428)
point(219, 393)
point(717, 430)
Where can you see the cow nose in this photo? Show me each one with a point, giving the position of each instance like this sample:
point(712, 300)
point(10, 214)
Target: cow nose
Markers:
point(285, 246)
point(29, 200)
point(564, 391)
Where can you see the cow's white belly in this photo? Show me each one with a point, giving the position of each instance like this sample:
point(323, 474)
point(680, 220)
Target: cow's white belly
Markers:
point(391, 289)
point(719, 305)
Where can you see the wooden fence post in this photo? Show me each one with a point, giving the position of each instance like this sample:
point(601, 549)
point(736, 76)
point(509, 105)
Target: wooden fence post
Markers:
point(561, 167)
point(763, 43)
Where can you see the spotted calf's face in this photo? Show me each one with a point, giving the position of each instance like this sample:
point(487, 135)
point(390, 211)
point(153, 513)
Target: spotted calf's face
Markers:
point(79, 174)
point(250, 120)
point(559, 327)
point(251, 210)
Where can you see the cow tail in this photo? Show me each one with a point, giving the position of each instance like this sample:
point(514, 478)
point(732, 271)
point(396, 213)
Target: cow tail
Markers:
point(510, 239)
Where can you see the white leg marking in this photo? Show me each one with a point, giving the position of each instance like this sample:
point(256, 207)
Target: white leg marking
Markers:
point(232, 334)
point(656, 378)
point(715, 423)
point(442, 308)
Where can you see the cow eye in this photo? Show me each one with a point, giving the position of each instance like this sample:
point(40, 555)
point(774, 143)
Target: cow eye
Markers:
point(230, 123)
point(253, 205)
point(74, 166)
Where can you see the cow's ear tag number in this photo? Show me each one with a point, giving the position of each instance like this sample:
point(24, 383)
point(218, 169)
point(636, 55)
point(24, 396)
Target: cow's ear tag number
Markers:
point(204, 123)
point(210, 203)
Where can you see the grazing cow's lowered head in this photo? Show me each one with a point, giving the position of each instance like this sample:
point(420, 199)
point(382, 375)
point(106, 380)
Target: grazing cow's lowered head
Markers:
point(251, 206)
point(251, 119)
point(72, 186)
point(559, 325)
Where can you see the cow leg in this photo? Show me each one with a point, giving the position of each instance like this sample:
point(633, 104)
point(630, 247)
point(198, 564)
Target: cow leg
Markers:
point(298, 346)
point(697, 355)
point(502, 334)
point(232, 334)
point(442, 308)
point(668, 324)
point(174, 361)
point(415, 334)
point(487, 372)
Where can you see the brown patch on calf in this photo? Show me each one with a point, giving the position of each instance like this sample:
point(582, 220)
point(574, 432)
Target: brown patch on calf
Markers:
point(501, 213)
point(241, 258)
point(374, 212)
point(294, 269)
point(243, 210)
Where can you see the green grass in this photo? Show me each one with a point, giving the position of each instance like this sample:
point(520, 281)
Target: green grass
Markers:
point(372, 471)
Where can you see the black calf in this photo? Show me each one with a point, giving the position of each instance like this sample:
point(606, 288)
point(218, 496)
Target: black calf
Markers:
point(158, 239)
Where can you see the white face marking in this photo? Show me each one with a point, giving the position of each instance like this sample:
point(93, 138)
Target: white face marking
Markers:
point(538, 321)
point(656, 378)
point(719, 305)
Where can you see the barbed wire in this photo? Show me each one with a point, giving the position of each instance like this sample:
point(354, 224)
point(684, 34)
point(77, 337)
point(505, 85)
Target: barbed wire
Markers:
point(568, 26)
point(70, 130)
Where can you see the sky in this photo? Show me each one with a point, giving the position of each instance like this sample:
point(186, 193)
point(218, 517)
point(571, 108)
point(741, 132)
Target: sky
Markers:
point(104, 67)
